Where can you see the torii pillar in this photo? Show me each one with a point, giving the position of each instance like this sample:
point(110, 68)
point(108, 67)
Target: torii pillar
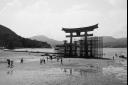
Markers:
point(85, 44)
point(71, 37)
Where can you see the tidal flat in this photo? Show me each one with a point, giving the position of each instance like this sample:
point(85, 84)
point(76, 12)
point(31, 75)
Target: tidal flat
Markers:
point(73, 71)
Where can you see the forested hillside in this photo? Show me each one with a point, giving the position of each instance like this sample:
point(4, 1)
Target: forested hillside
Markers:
point(10, 40)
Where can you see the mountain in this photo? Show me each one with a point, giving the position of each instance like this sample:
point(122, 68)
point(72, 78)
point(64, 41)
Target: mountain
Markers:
point(46, 39)
point(9, 39)
point(109, 41)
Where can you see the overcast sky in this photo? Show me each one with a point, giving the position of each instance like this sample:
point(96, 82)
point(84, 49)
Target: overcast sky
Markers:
point(47, 17)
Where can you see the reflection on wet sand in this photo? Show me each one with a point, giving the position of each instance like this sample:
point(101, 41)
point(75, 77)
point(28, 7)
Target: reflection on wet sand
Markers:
point(67, 71)
point(80, 72)
point(10, 72)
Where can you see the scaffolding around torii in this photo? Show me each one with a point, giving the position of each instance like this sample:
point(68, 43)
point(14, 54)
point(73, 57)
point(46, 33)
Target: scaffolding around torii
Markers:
point(88, 47)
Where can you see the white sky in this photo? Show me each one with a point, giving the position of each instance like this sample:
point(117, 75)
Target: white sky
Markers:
point(47, 17)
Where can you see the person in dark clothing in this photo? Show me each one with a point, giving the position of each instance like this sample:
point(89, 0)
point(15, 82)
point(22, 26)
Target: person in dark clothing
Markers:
point(21, 61)
point(8, 61)
point(113, 58)
point(44, 61)
point(61, 61)
point(51, 57)
point(70, 71)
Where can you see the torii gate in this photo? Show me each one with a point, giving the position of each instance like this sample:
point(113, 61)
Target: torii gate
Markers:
point(78, 34)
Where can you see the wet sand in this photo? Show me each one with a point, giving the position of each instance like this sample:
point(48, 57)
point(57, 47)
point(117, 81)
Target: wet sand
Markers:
point(72, 72)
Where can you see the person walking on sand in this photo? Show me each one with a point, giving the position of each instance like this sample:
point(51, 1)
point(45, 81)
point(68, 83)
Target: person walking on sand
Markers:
point(51, 57)
point(44, 61)
point(113, 58)
point(40, 61)
point(8, 61)
point(61, 61)
point(21, 61)
point(70, 71)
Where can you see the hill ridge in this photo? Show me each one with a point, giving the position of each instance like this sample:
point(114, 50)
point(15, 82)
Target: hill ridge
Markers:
point(108, 41)
point(9, 39)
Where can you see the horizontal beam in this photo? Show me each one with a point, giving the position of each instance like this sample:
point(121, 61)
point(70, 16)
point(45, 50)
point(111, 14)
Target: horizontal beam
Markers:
point(81, 29)
point(79, 35)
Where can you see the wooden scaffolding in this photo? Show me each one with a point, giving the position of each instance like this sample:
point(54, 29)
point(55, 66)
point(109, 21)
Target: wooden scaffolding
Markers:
point(88, 47)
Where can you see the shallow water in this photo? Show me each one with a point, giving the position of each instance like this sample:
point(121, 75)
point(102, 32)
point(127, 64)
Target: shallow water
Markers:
point(33, 77)
point(57, 76)
point(110, 52)
point(36, 49)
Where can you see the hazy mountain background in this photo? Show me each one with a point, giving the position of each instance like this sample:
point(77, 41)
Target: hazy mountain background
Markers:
point(9, 39)
point(108, 41)
point(52, 42)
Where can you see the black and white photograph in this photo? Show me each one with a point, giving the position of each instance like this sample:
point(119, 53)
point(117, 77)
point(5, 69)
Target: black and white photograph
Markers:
point(63, 42)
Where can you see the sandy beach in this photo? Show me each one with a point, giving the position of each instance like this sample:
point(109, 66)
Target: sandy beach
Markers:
point(74, 71)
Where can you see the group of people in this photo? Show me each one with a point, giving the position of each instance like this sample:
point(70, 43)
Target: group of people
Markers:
point(119, 56)
point(42, 60)
point(114, 56)
point(61, 60)
point(11, 62)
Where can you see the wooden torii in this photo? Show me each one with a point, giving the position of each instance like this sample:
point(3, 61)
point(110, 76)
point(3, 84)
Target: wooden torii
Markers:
point(78, 34)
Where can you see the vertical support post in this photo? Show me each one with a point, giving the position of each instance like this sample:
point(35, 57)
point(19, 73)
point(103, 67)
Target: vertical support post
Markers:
point(91, 47)
point(75, 48)
point(86, 45)
point(71, 35)
point(65, 48)
point(81, 51)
